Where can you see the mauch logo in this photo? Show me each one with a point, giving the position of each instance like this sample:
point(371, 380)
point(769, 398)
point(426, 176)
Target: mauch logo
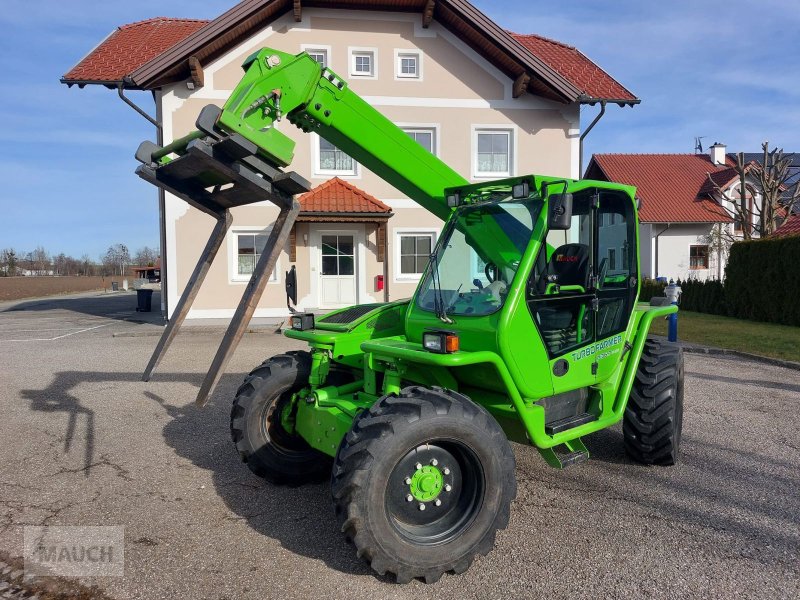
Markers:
point(565, 258)
point(75, 551)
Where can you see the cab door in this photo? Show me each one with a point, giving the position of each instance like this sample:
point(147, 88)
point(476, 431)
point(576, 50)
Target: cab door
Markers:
point(617, 276)
point(562, 298)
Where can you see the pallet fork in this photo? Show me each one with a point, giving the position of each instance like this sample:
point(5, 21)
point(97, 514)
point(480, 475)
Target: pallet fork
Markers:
point(215, 172)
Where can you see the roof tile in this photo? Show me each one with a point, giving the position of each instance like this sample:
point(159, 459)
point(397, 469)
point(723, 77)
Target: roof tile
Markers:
point(337, 196)
point(129, 47)
point(572, 64)
point(791, 227)
point(670, 185)
point(132, 46)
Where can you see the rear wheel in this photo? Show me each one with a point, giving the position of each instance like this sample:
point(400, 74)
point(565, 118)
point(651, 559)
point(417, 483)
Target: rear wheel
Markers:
point(261, 430)
point(422, 482)
point(654, 415)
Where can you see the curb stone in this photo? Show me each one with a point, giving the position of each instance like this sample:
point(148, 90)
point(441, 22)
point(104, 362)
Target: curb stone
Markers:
point(711, 350)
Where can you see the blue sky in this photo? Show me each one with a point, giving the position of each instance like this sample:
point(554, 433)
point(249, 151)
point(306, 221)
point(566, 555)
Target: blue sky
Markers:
point(725, 71)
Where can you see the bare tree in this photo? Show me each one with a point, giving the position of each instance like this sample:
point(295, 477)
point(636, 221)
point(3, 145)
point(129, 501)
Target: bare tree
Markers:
point(146, 257)
point(759, 219)
point(8, 262)
point(116, 259)
point(40, 261)
point(87, 266)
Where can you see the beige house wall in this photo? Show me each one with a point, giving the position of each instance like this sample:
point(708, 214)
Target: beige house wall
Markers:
point(457, 93)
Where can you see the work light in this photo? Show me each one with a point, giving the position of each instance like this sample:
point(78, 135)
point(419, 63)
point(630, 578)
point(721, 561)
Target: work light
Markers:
point(453, 200)
point(302, 322)
point(440, 342)
point(521, 190)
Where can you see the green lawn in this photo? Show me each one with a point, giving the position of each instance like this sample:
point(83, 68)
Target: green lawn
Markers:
point(766, 339)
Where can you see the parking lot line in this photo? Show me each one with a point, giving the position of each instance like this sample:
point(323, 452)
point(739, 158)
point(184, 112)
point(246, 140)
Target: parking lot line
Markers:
point(59, 336)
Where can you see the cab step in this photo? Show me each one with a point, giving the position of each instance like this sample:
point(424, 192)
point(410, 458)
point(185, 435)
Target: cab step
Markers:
point(572, 452)
point(569, 423)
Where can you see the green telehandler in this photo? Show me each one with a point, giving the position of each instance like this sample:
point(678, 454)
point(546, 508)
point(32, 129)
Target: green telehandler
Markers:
point(525, 326)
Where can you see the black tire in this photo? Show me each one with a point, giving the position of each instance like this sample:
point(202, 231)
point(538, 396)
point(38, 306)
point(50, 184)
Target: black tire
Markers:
point(373, 467)
point(654, 415)
point(261, 440)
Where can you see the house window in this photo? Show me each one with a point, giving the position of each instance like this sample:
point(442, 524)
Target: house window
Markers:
point(362, 63)
point(320, 55)
point(248, 247)
point(408, 65)
point(333, 161)
point(493, 156)
point(414, 251)
point(425, 137)
point(698, 257)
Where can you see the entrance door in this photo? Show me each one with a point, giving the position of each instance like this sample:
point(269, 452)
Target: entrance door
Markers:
point(337, 269)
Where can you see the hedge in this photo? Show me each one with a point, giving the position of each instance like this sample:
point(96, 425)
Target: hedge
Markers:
point(762, 283)
point(762, 280)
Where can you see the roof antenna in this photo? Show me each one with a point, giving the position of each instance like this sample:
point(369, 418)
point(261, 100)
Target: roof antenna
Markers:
point(698, 144)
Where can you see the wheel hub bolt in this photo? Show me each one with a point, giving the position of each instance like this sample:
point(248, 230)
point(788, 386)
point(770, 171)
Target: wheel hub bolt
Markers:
point(434, 462)
point(409, 498)
point(438, 502)
point(448, 487)
point(421, 506)
point(419, 466)
point(446, 471)
point(408, 480)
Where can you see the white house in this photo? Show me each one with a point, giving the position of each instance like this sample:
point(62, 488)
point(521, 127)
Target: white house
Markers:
point(681, 209)
point(488, 102)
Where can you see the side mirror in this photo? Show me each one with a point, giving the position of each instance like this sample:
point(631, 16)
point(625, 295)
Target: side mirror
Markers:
point(291, 288)
point(559, 215)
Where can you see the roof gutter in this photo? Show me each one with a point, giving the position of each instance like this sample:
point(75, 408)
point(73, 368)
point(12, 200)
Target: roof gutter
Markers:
point(129, 102)
point(585, 133)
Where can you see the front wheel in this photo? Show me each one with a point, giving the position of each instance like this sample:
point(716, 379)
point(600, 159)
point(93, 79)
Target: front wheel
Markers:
point(422, 483)
point(259, 424)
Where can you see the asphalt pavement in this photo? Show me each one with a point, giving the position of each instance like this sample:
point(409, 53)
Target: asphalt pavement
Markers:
point(86, 442)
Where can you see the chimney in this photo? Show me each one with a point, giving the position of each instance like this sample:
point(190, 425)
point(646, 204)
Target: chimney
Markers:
point(717, 153)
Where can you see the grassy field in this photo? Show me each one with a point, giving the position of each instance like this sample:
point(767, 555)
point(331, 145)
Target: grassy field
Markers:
point(765, 339)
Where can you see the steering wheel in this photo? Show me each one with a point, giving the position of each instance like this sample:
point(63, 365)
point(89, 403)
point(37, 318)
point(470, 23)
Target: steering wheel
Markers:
point(491, 271)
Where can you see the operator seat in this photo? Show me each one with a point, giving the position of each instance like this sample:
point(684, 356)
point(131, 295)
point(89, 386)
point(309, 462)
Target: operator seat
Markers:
point(559, 321)
point(568, 265)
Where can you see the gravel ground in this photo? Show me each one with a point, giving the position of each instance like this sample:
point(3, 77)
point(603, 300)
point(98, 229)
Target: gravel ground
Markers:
point(85, 442)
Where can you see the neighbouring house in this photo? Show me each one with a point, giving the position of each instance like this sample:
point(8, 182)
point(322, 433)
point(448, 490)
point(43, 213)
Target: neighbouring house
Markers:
point(683, 231)
point(152, 273)
point(488, 102)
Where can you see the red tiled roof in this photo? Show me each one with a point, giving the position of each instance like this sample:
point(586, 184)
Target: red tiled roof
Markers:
point(133, 46)
point(670, 185)
point(337, 196)
point(573, 65)
point(791, 227)
point(129, 47)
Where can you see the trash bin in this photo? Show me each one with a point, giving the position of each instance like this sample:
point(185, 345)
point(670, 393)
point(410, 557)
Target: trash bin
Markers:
point(144, 300)
point(114, 286)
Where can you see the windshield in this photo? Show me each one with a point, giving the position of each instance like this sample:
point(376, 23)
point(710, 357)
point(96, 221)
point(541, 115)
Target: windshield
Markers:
point(477, 257)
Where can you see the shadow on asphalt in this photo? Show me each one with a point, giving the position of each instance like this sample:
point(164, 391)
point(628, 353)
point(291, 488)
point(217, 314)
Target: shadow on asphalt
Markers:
point(112, 305)
point(300, 518)
point(712, 487)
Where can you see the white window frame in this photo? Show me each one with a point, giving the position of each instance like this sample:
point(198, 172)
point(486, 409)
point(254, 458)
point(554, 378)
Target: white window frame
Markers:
point(398, 232)
point(426, 128)
point(319, 49)
point(399, 54)
point(511, 131)
point(353, 52)
point(233, 254)
point(326, 173)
